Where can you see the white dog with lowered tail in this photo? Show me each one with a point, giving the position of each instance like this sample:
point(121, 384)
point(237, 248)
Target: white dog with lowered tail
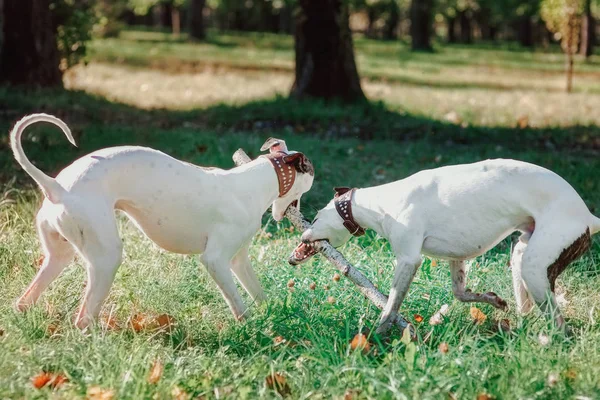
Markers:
point(181, 207)
point(460, 212)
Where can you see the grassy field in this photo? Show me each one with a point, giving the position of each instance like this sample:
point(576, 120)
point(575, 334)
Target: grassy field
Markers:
point(301, 334)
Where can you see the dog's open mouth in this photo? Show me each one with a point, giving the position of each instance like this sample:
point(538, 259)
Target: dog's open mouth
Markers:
point(301, 253)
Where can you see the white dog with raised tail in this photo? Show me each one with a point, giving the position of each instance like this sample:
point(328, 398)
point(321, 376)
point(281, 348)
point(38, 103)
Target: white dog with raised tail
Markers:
point(460, 212)
point(181, 207)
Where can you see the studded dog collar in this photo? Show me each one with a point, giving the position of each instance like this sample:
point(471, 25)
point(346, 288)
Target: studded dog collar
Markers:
point(286, 173)
point(343, 205)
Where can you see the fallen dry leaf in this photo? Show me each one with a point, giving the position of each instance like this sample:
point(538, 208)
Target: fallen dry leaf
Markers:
point(571, 374)
point(325, 287)
point(434, 263)
point(437, 318)
point(360, 342)
point(156, 371)
point(165, 321)
point(478, 316)
point(312, 286)
point(523, 121)
point(443, 348)
point(39, 262)
point(331, 300)
point(291, 283)
point(484, 396)
point(179, 394)
point(418, 318)
point(137, 322)
point(544, 339)
point(48, 378)
point(336, 277)
point(277, 381)
point(278, 340)
point(52, 328)
point(109, 322)
point(41, 380)
point(223, 392)
point(98, 393)
point(351, 394)
point(552, 379)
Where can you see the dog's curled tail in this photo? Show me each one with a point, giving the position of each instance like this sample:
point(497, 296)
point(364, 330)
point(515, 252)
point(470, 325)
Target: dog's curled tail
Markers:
point(52, 189)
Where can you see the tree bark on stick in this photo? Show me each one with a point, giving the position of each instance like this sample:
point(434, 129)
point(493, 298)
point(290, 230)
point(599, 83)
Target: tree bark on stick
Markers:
point(365, 286)
point(29, 54)
point(325, 65)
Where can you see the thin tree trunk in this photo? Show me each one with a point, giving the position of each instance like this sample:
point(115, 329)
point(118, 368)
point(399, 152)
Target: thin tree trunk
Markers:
point(325, 66)
point(166, 15)
point(569, 71)
point(451, 29)
point(29, 54)
point(466, 34)
point(176, 21)
point(197, 27)
point(390, 31)
point(420, 25)
point(588, 30)
point(526, 31)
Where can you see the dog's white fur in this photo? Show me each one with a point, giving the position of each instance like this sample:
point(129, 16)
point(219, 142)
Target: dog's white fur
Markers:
point(460, 212)
point(181, 207)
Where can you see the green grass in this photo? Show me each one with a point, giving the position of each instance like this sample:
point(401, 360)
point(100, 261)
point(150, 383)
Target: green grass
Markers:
point(207, 353)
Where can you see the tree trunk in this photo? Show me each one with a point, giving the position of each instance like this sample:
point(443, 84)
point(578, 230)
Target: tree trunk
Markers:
point(176, 21)
point(466, 34)
point(197, 28)
point(588, 30)
point(390, 31)
point(29, 53)
point(451, 29)
point(420, 25)
point(569, 71)
point(526, 31)
point(325, 66)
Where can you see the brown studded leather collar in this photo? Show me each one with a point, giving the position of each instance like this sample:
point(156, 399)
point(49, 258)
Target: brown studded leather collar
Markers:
point(286, 173)
point(343, 205)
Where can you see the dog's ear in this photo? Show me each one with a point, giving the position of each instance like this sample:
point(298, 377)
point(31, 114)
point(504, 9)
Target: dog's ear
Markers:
point(341, 190)
point(300, 162)
point(274, 144)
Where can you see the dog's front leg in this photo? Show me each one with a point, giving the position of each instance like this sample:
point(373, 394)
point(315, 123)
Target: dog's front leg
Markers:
point(242, 268)
point(459, 284)
point(403, 276)
point(219, 252)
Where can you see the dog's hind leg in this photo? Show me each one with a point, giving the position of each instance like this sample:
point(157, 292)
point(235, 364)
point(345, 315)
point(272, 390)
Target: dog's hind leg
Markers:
point(524, 301)
point(242, 268)
point(217, 257)
point(552, 247)
point(459, 283)
point(58, 253)
point(102, 249)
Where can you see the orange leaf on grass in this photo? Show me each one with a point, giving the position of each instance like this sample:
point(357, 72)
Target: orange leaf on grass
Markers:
point(443, 348)
point(165, 321)
point(434, 263)
point(485, 396)
point(276, 381)
point(156, 371)
point(478, 316)
point(98, 393)
point(418, 318)
point(336, 277)
point(312, 286)
point(48, 378)
point(360, 342)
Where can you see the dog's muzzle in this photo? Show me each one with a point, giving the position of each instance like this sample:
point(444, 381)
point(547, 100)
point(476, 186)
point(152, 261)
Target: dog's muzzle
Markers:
point(301, 253)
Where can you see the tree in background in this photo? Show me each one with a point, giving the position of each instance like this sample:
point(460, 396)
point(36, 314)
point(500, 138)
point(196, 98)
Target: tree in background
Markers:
point(325, 65)
point(29, 54)
point(421, 20)
point(196, 25)
point(563, 17)
point(588, 30)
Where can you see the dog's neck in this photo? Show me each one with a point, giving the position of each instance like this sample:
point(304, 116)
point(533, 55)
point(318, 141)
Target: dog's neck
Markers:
point(366, 213)
point(259, 179)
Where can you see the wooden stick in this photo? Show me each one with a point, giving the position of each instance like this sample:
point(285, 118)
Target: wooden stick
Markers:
point(365, 286)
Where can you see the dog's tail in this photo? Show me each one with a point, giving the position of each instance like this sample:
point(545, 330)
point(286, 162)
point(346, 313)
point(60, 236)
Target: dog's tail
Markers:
point(52, 189)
